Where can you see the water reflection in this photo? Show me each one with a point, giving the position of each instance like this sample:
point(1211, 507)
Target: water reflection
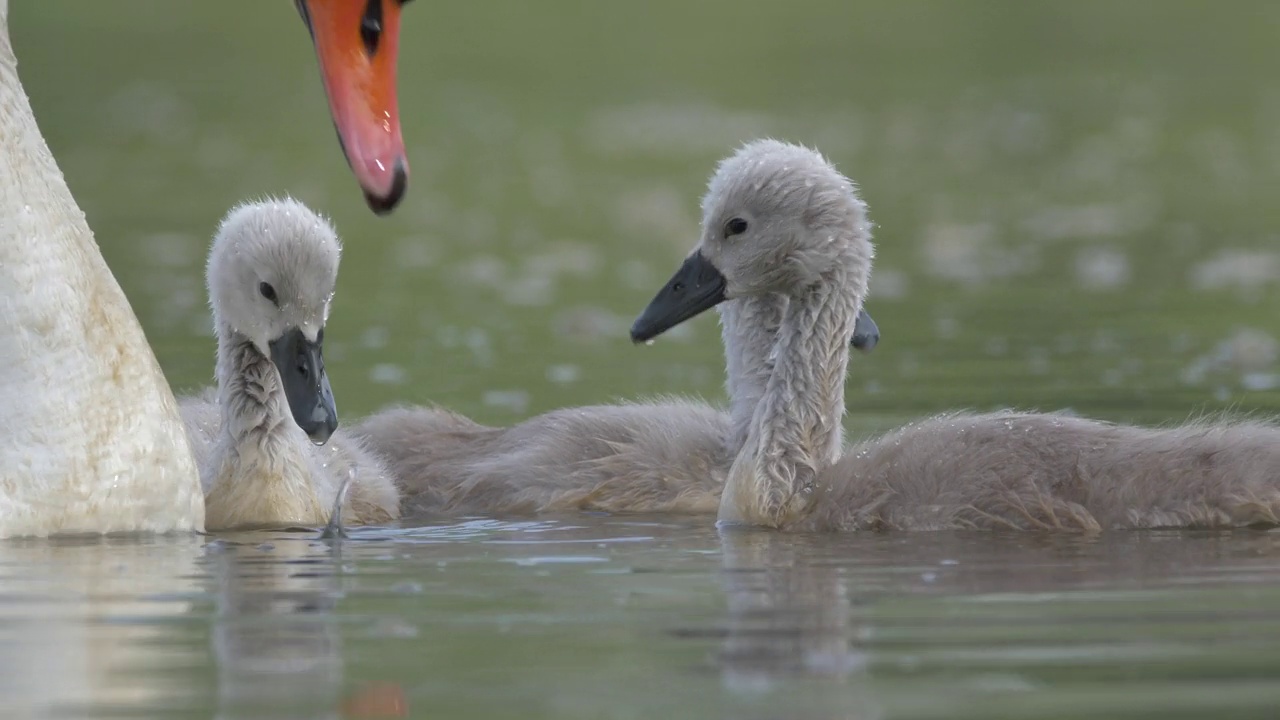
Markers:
point(974, 624)
point(788, 618)
point(96, 625)
point(786, 615)
point(244, 626)
point(587, 616)
point(275, 636)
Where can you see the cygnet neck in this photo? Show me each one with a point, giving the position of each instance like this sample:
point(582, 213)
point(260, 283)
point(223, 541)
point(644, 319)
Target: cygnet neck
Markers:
point(250, 393)
point(796, 430)
point(748, 328)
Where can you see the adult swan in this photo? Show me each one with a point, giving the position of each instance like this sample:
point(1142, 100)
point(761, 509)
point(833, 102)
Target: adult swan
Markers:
point(90, 438)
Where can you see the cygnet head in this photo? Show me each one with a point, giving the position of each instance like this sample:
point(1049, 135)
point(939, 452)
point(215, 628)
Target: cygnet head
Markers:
point(776, 218)
point(271, 274)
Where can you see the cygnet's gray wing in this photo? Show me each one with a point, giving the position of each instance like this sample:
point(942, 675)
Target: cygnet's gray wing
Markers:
point(1048, 471)
point(420, 446)
point(655, 457)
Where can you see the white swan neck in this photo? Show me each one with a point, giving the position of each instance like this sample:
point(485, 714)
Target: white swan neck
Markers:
point(32, 188)
point(90, 438)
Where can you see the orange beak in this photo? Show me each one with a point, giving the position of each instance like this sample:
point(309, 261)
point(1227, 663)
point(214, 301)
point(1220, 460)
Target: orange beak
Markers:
point(357, 43)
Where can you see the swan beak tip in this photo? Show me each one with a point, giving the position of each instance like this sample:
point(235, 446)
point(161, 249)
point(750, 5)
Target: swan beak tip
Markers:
point(357, 46)
point(383, 204)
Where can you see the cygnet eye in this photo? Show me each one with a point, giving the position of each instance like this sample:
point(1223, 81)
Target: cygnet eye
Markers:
point(268, 292)
point(736, 226)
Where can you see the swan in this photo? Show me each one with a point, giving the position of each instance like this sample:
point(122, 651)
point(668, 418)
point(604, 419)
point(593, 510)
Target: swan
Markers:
point(781, 219)
point(668, 456)
point(91, 440)
point(265, 441)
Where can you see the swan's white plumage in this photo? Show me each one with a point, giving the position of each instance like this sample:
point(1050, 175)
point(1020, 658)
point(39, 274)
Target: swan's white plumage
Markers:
point(90, 438)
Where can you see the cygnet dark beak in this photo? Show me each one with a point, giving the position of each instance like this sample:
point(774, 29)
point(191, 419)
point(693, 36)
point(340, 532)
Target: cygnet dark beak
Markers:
point(306, 385)
point(696, 287)
point(865, 333)
point(699, 286)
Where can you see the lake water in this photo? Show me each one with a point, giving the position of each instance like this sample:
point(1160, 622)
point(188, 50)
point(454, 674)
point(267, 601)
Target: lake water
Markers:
point(1075, 208)
point(640, 618)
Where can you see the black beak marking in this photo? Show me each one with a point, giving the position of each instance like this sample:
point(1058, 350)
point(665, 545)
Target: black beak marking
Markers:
point(306, 16)
point(400, 183)
point(695, 288)
point(866, 335)
point(300, 363)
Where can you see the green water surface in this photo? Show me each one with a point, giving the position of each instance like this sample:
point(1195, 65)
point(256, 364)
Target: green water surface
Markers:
point(1075, 207)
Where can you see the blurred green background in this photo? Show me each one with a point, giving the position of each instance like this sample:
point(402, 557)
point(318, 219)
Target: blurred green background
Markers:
point(1076, 207)
point(1075, 202)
